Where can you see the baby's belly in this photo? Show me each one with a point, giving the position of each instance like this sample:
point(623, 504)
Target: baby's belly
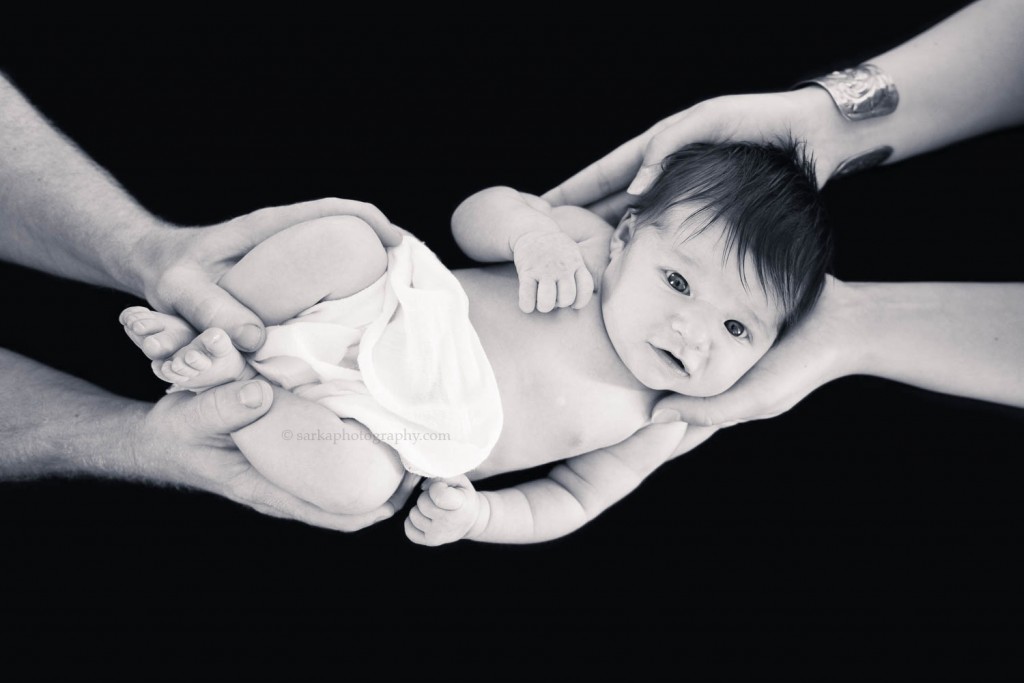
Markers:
point(537, 432)
point(563, 389)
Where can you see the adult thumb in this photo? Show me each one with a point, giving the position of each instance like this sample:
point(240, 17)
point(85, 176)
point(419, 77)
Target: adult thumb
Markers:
point(230, 407)
point(723, 410)
point(206, 305)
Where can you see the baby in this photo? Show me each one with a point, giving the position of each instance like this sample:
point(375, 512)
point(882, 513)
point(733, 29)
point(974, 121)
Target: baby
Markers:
point(507, 367)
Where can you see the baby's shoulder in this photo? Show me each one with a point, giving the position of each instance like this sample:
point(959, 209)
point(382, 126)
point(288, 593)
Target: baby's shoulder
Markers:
point(580, 223)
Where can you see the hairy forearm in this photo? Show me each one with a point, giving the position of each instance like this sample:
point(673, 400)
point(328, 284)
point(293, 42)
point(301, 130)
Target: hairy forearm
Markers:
point(59, 211)
point(965, 339)
point(488, 224)
point(55, 424)
point(961, 78)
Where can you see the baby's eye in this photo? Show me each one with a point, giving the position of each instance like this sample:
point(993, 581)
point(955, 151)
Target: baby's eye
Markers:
point(678, 282)
point(735, 328)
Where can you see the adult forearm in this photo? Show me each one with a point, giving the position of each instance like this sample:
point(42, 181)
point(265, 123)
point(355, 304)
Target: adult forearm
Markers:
point(55, 424)
point(965, 339)
point(59, 211)
point(961, 78)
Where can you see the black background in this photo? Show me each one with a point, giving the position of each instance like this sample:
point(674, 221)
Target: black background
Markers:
point(873, 519)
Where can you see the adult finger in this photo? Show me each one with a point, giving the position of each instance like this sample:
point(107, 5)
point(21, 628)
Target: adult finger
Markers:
point(612, 208)
point(648, 448)
point(227, 408)
point(604, 177)
point(584, 287)
point(527, 294)
point(739, 404)
point(261, 224)
point(694, 125)
point(291, 507)
point(204, 305)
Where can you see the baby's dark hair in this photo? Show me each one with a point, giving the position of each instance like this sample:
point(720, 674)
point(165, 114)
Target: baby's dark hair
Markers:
point(767, 198)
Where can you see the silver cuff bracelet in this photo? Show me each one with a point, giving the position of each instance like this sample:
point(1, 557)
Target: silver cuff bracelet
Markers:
point(862, 92)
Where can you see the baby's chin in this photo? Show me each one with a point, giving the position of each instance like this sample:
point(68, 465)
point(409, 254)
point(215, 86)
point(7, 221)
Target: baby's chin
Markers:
point(698, 388)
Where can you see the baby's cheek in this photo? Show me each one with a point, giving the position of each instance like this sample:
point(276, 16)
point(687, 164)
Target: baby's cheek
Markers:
point(724, 374)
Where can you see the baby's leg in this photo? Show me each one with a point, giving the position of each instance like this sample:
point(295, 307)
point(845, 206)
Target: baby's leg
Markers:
point(299, 445)
point(326, 258)
point(333, 463)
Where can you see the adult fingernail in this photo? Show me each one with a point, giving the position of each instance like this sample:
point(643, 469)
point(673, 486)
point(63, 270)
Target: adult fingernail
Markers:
point(250, 337)
point(251, 395)
point(665, 415)
point(644, 178)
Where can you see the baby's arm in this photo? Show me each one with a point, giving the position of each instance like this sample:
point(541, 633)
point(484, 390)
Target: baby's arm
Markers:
point(575, 492)
point(559, 253)
point(487, 225)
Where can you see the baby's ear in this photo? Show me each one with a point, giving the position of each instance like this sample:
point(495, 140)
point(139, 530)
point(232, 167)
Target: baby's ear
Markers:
point(623, 232)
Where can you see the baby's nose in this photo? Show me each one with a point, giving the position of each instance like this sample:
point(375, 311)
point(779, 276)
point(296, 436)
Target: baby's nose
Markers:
point(695, 335)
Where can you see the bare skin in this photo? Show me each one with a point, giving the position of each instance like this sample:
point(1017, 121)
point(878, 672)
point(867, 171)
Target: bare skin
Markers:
point(565, 392)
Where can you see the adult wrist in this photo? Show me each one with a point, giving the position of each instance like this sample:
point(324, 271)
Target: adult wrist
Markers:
point(159, 246)
point(852, 311)
point(861, 96)
point(829, 138)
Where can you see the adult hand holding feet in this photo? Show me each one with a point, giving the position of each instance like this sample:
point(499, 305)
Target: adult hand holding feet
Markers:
point(62, 214)
point(185, 439)
point(183, 265)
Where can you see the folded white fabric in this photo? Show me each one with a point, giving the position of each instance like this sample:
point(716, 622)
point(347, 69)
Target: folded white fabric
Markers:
point(401, 357)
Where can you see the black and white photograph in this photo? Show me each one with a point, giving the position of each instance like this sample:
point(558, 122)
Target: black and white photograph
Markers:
point(497, 343)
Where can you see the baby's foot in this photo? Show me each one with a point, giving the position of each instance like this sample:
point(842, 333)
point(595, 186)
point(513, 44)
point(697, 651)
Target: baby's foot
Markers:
point(209, 360)
point(157, 334)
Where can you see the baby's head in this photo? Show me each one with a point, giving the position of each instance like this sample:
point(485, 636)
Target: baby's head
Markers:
point(726, 251)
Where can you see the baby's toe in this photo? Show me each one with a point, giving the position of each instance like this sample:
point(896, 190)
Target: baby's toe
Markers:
point(216, 342)
point(169, 340)
point(143, 326)
point(197, 361)
point(131, 312)
point(163, 370)
point(180, 367)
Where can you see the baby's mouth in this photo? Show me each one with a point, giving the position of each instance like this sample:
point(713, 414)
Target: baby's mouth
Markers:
point(672, 360)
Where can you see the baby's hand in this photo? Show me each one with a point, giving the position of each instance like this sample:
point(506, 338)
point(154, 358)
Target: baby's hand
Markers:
point(551, 272)
point(444, 513)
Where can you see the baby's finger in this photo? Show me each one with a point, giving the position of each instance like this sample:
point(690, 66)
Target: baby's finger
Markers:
point(425, 504)
point(445, 497)
point(429, 510)
point(546, 293)
point(566, 291)
point(584, 287)
point(527, 294)
point(419, 520)
point(414, 534)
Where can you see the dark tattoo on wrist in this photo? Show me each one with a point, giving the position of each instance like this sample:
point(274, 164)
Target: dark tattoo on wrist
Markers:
point(863, 161)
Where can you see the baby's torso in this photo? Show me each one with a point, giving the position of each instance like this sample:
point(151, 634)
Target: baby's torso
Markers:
point(563, 389)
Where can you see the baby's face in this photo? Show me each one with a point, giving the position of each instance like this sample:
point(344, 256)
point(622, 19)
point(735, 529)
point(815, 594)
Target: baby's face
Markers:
point(679, 316)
